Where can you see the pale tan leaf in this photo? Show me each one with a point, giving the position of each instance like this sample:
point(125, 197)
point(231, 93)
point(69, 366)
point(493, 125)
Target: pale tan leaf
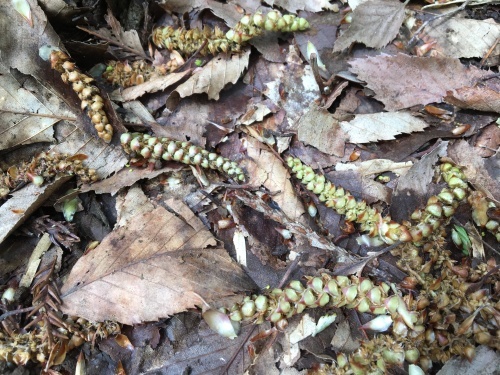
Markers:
point(297, 81)
point(21, 205)
point(374, 23)
point(104, 158)
point(486, 361)
point(320, 129)
point(154, 85)
point(311, 5)
point(124, 178)
point(480, 98)
point(403, 81)
point(268, 170)
point(154, 266)
point(462, 37)
point(133, 203)
point(375, 127)
point(214, 76)
point(19, 110)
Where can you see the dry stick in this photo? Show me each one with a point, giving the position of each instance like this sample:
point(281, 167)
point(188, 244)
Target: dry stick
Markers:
point(483, 60)
point(240, 346)
point(109, 40)
point(15, 312)
point(40, 115)
point(413, 40)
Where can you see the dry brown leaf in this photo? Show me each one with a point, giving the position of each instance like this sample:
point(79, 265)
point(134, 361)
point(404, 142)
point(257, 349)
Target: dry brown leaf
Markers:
point(311, 5)
point(486, 361)
point(375, 127)
point(413, 188)
point(480, 98)
point(154, 85)
point(268, 170)
point(104, 158)
point(19, 123)
point(403, 81)
point(214, 76)
point(124, 178)
point(462, 37)
point(482, 173)
point(320, 129)
point(21, 205)
point(154, 266)
point(296, 81)
point(130, 204)
point(374, 23)
point(128, 38)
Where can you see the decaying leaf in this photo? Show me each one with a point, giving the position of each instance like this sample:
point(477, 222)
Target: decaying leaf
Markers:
point(312, 5)
point(374, 23)
point(268, 170)
point(154, 85)
point(374, 127)
point(21, 205)
point(413, 189)
point(480, 98)
point(320, 129)
point(154, 266)
point(462, 37)
point(297, 84)
point(19, 110)
point(214, 76)
point(482, 173)
point(403, 81)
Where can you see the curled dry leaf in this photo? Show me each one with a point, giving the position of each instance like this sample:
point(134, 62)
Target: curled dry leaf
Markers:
point(154, 266)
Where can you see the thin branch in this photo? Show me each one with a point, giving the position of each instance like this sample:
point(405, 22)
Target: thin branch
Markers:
point(15, 312)
point(39, 115)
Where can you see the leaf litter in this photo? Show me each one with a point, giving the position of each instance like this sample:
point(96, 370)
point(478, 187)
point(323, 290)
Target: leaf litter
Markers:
point(176, 238)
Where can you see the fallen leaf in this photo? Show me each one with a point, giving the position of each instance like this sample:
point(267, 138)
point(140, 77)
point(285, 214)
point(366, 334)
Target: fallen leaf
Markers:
point(268, 170)
point(28, 199)
point(124, 178)
point(464, 38)
point(486, 361)
point(482, 173)
point(214, 76)
point(126, 43)
point(374, 23)
point(375, 127)
point(478, 97)
point(403, 81)
point(156, 260)
point(296, 82)
point(318, 128)
point(22, 114)
point(154, 85)
point(413, 188)
point(312, 5)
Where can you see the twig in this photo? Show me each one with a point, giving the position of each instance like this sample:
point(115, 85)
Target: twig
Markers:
point(413, 40)
point(111, 41)
point(15, 312)
point(289, 271)
point(40, 115)
point(240, 346)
